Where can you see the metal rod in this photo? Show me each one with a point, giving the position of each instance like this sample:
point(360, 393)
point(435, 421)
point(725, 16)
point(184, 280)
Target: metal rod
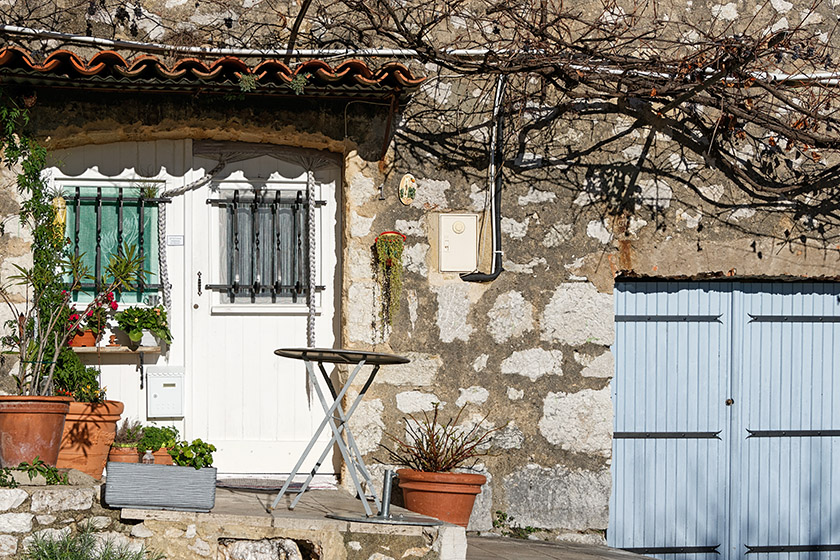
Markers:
point(98, 263)
point(120, 219)
point(387, 481)
point(141, 233)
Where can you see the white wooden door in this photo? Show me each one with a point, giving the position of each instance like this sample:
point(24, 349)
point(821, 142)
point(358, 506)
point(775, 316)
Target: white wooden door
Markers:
point(252, 405)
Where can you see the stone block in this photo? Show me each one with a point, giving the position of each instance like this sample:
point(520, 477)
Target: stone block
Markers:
point(534, 363)
point(22, 479)
point(16, 522)
point(453, 309)
point(45, 519)
point(117, 540)
point(421, 371)
point(451, 543)
point(10, 498)
point(579, 422)
point(511, 316)
point(367, 425)
point(263, 549)
point(46, 534)
point(410, 402)
point(78, 478)
point(578, 313)
point(100, 522)
point(141, 531)
point(62, 499)
point(559, 497)
point(8, 545)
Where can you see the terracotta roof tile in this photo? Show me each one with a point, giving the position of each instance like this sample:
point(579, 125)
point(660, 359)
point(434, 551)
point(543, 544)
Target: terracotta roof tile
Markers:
point(110, 69)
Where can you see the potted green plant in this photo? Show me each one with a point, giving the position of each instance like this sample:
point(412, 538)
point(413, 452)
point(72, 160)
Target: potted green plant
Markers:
point(389, 247)
point(91, 423)
point(126, 440)
point(429, 455)
point(31, 421)
point(134, 321)
point(158, 440)
point(188, 485)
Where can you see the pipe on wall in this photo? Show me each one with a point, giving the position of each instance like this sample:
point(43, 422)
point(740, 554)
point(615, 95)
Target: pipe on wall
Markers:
point(495, 184)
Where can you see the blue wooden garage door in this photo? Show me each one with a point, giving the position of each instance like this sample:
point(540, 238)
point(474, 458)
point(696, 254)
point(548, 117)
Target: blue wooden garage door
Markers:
point(727, 420)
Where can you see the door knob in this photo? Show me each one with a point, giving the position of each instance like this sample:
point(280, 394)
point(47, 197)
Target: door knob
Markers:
point(730, 402)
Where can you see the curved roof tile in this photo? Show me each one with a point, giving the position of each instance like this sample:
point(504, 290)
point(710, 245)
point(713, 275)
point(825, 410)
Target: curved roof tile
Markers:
point(108, 68)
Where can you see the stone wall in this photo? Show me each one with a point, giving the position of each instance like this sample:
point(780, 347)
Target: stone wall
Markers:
point(52, 511)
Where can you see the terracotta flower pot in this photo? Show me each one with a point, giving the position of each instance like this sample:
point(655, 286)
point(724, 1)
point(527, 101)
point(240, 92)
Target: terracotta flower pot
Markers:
point(446, 496)
point(30, 427)
point(88, 434)
point(162, 457)
point(87, 338)
point(123, 455)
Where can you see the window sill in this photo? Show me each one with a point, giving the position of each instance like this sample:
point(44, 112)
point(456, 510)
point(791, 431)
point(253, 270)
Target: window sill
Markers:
point(281, 309)
point(115, 350)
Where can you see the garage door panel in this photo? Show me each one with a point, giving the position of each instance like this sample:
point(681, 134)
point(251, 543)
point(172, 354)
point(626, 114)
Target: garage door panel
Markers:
point(667, 505)
point(772, 352)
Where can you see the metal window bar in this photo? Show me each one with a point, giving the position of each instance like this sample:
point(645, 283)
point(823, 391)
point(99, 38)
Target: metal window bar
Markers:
point(265, 272)
point(99, 200)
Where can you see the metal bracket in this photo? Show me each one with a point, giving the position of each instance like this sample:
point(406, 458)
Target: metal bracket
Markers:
point(794, 548)
point(666, 435)
point(668, 318)
point(793, 433)
point(792, 318)
point(675, 550)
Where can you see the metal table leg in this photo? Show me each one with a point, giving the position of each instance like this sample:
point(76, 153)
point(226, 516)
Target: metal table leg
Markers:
point(329, 414)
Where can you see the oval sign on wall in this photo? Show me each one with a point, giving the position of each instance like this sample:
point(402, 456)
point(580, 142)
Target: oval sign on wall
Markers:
point(408, 189)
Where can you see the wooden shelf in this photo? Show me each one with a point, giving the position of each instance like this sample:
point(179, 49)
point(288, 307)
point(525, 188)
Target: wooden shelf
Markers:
point(115, 350)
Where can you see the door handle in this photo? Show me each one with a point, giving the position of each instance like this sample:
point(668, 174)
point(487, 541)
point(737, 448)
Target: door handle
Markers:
point(199, 282)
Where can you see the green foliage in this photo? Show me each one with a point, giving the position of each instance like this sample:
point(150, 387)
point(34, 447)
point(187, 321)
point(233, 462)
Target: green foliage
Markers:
point(50, 473)
point(434, 447)
point(299, 82)
point(196, 454)
point(129, 434)
point(134, 320)
point(6, 478)
point(503, 521)
point(155, 437)
point(72, 377)
point(247, 83)
point(83, 545)
point(389, 249)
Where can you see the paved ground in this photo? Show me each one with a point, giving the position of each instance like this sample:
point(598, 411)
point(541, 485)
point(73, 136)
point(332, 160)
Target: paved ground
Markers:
point(499, 548)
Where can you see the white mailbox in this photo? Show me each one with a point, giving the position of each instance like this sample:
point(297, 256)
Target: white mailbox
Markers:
point(164, 392)
point(458, 246)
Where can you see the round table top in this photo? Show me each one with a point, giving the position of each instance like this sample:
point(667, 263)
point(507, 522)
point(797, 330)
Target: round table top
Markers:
point(340, 356)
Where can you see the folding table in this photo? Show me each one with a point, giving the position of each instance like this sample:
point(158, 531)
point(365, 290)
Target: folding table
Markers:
point(335, 415)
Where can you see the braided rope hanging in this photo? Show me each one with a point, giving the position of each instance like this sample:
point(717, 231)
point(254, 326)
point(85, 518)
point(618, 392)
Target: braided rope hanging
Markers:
point(166, 287)
point(310, 296)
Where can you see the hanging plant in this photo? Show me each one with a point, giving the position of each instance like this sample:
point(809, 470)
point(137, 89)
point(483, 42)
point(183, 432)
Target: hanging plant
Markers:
point(389, 250)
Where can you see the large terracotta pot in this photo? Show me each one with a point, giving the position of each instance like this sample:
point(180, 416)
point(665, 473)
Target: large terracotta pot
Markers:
point(30, 427)
point(88, 434)
point(446, 496)
point(123, 455)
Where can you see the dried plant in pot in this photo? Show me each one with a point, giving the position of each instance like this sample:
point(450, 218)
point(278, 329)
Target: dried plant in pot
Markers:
point(429, 453)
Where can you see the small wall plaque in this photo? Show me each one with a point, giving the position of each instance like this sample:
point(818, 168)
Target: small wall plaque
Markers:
point(408, 189)
point(174, 240)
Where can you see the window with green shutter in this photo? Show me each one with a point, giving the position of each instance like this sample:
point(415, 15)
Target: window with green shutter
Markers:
point(102, 218)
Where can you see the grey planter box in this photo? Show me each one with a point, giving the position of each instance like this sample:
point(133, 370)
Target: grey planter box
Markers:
point(136, 485)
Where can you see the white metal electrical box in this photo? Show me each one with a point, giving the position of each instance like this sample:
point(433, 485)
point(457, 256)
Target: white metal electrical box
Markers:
point(458, 246)
point(164, 392)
